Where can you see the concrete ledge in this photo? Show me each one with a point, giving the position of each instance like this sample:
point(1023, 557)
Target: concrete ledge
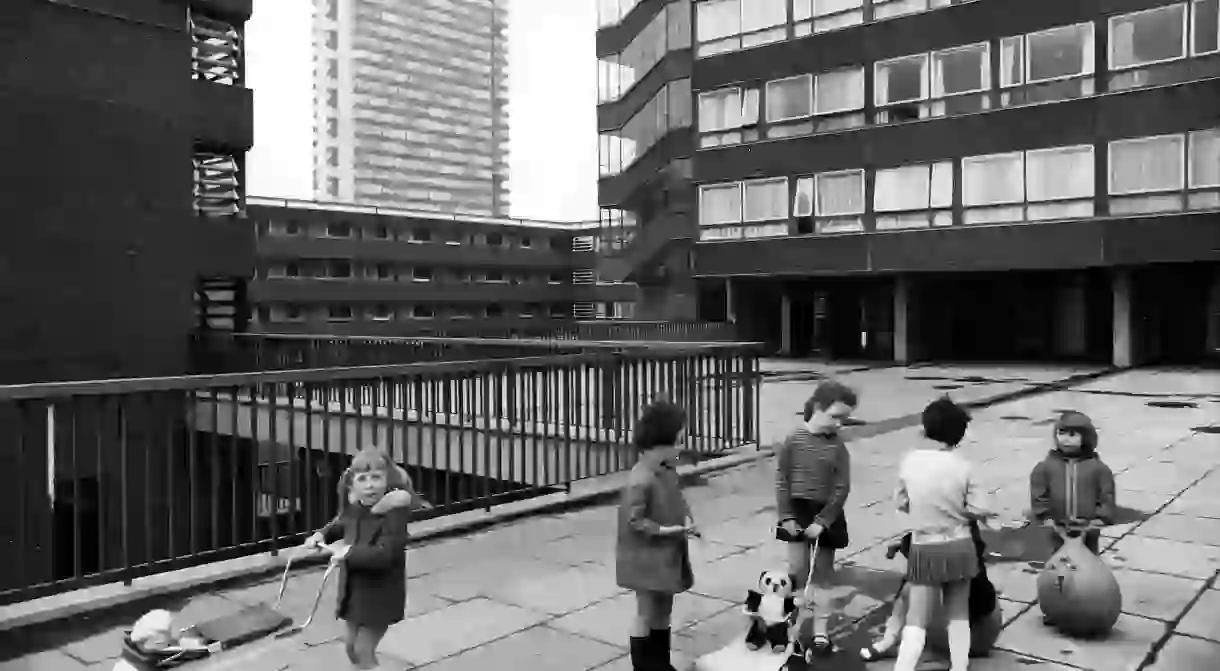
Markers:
point(583, 493)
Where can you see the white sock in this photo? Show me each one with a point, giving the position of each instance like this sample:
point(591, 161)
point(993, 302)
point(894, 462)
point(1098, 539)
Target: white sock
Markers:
point(959, 644)
point(893, 628)
point(911, 648)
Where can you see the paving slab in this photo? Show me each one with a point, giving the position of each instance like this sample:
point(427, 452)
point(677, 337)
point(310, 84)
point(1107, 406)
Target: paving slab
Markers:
point(1183, 653)
point(1156, 595)
point(1157, 555)
point(540, 648)
point(1203, 618)
point(1124, 649)
point(606, 621)
point(460, 627)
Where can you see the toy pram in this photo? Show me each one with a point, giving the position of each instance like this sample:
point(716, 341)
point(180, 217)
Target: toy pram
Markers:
point(206, 639)
point(736, 656)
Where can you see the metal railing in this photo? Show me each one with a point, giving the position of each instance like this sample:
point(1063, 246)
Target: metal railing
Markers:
point(107, 481)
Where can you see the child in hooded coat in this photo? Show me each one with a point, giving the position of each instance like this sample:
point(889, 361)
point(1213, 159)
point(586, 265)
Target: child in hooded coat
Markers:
point(369, 537)
point(1072, 484)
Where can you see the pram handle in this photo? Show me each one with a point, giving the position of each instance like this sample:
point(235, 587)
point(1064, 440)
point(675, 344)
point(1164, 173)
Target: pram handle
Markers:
point(288, 567)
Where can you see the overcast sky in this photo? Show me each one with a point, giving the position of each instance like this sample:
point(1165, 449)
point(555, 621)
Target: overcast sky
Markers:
point(553, 89)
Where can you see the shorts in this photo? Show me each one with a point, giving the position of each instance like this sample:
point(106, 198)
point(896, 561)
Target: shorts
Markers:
point(834, 537)
point(941, 563)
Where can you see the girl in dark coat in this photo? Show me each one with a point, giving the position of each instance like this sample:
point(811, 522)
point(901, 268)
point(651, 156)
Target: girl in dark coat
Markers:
point(368, 539)
point(652, 558)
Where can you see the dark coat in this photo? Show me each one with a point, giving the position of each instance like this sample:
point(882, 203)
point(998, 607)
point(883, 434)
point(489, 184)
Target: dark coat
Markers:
point(373, 577)
point(645, 561)
point(1063, 487)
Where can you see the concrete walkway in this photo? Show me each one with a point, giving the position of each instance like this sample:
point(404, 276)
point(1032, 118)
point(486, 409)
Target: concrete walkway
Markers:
point(540, 594)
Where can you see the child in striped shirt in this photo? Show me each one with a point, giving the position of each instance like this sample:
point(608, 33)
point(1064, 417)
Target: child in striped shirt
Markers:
point(812, 481)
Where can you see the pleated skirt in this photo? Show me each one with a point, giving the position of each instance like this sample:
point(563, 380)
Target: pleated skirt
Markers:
point(940, 563)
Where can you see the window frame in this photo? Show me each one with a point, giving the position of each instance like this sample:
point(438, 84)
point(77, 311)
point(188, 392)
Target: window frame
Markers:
point(809, 77)
point(979, 159)
point(1190, 164)
point(699, 108)
point(703, 188)
point(985, 79)
point(863, 90)
point(927, 206)
point(927, 75)
point(1025, 54)
point(1146, 139)
point(1187, 34)
point(1191, 27)
point(817, 189)
point(1042, 151)
point(762, 181)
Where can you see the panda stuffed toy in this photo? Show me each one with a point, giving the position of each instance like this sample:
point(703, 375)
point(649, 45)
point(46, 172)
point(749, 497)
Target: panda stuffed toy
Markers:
point(771, 608)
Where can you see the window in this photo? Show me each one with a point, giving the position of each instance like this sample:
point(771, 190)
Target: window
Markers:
point(421, 235)
point(380, 313)
point(1204, 159)
point(339, 269)
point(727, 108)
point(836, 199)
point(526, 242)
point(765, 199)
point(1205, 27)
point(381, 271)
point(554, 278)
point(332, 187)
point(1059, 173)
point(1059, 53)
point(1148, 164)
point(332, 10)
point(332, 68)
point(289, 312)
point(379, 232)
point(885, 9)
point(284, 228)
point(790, 98)
point(495, 276)
point(332, 98)
point(422, 312)
point(1147, 37)
point(914, 190)
point(421, 274)
point(493, 310)
point(960, 70)
point(495, 240)
point(339, 313)
point(993, 179)
point(720, 204)
point(339, 229)
point(332, 40)
point(332, 156)
point(817, 16)
point(839, 91)
point(728, 25)
point(332, 127)
point(901, 80)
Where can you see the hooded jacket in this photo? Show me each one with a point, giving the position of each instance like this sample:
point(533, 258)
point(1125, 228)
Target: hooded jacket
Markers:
point(1079, 486)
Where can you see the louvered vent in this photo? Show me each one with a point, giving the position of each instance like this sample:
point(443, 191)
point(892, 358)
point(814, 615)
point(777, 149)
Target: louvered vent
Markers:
point(216, 50)
point(218, 191)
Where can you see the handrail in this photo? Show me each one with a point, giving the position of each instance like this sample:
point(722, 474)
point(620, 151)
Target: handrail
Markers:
point(515, 342)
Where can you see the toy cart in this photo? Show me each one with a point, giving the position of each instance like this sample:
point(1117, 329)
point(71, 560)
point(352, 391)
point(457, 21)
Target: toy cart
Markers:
point(215, 637)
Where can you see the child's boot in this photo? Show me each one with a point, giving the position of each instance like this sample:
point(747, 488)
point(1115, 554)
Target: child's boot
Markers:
point(659, 640)
point(641, 654)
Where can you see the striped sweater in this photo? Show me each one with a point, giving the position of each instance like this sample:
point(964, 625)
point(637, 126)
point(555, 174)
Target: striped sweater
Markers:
point(816, 467)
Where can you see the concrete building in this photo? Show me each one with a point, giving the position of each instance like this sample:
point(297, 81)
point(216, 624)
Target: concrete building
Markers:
point(410, 104)
point(132, 121)
point(920, 179)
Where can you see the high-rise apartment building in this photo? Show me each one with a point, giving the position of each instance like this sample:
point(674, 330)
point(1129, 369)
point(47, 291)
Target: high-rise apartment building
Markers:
point(411, 104)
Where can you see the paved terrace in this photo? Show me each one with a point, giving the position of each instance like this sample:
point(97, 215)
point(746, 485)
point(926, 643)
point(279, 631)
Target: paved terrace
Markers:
point(539, 593)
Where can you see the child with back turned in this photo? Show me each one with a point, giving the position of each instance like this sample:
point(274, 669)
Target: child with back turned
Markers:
point(368, 539)
point(652, 557)
point(812, 481)
point(1072, 485)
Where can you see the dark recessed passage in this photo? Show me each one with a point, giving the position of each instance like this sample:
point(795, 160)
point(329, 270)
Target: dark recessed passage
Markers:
point(1171, 404)
point(1015, 418)
point(946, 387)
point(1214, 428)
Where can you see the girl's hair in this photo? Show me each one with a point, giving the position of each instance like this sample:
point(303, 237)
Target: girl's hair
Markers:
point(659, 425)
point(374, 459)
point(945, 421)
point(1071, 420)
point(827, 393)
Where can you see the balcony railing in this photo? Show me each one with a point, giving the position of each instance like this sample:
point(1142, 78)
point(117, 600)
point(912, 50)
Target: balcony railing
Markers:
point(216, 50)
point(107, 481)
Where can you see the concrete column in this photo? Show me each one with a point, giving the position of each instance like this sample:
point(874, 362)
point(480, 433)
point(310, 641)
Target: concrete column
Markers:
point(1070, 317)
point(730, 301)
point(1213, 316)
point(785, 324)
point(1122, 353)
point(902, 324)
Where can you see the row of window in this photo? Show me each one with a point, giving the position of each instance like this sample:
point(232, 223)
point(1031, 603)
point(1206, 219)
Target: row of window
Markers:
point(1163, 173)
point(347, 231)
point(958, 80)
point(346, 269)
point(296, 312)
point(217, 53)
